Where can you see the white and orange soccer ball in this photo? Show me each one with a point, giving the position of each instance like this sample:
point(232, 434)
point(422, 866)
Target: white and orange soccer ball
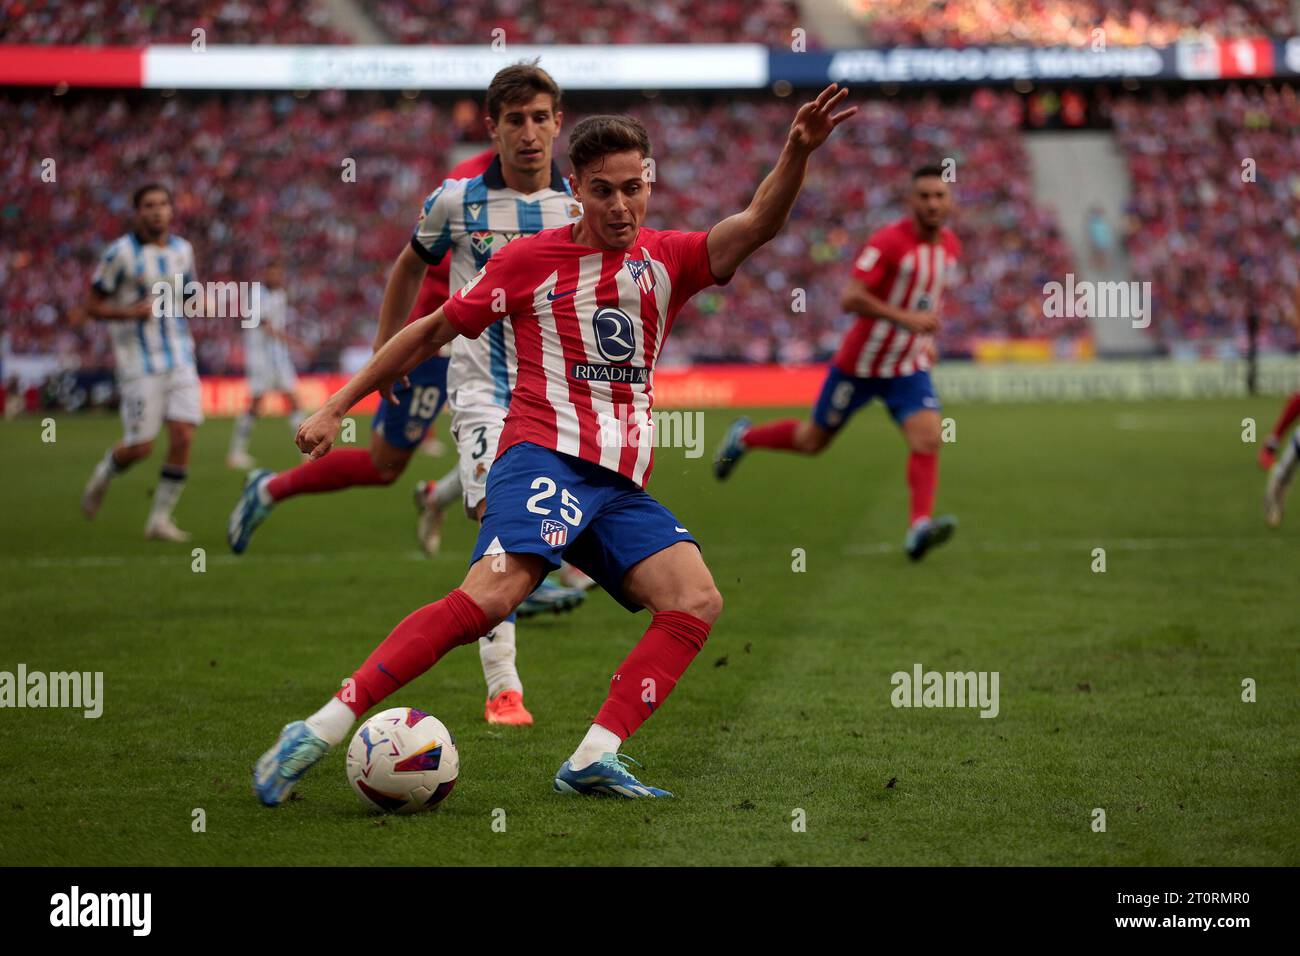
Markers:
point(403, 760)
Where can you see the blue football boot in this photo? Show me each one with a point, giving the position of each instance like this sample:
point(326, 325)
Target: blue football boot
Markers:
point(607, 777)
point(296, 752)
point(249, 511)
point(731, 449)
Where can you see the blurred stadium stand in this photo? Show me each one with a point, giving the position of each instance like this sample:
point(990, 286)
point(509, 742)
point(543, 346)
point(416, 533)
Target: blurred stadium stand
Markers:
point(340, 238)
point(1067, 22)
point(1150, 191)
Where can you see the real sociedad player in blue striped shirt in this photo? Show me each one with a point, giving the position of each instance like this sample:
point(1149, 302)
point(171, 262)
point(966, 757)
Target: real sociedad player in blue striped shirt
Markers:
point(154, 354)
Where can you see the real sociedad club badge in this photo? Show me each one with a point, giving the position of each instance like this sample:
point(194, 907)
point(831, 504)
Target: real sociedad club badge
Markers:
point(642, 273)
point(555, 533)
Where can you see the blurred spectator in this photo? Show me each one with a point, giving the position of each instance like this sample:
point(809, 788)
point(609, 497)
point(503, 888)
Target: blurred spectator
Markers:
point(1101, 238)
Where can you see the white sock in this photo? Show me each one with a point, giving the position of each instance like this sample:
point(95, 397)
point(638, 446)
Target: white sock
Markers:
point(263, 495)
point(243, 429)
point(497, 654)
point(332, 722)
point(109, 465)
point(447, 490)
point(171, 482)
point(105, 470)
point(1284, 469)
point(595, 745)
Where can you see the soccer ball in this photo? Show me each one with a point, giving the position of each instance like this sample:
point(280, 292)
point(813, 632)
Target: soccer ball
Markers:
point(402, 761)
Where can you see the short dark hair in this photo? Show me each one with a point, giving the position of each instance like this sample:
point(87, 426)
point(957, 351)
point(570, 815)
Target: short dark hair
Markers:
point(137, 197)
point(925, 171)
point(519, 84)
point(597, 136)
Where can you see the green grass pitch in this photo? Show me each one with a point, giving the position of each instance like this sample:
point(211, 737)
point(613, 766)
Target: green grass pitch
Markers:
point(1119, 690)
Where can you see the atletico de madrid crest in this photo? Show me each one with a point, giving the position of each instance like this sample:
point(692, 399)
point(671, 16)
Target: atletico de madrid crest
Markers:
point(642, 273)
point(555, 533)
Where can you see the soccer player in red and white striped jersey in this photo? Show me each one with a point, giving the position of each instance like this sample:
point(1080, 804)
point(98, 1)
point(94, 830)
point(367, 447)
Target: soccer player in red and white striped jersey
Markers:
point(895, 288)
point(590, 305)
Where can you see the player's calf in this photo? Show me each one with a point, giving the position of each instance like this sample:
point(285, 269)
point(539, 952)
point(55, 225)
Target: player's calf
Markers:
point(115, 461)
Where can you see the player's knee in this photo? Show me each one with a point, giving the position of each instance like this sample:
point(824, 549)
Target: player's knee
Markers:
point(925, 444)
point(496, 607)
point(811, 440)
point(386, 472)
point(704, 602)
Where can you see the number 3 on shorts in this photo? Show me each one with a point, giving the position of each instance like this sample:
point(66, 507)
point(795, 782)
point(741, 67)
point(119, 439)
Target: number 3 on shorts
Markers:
point(570, 510)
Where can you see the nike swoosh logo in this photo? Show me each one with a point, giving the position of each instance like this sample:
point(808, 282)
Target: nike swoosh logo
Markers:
point(552, 296)
point(682, 531)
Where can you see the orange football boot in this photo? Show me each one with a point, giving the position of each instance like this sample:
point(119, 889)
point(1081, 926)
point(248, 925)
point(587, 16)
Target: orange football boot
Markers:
point(507, 707)
point(1268, 453)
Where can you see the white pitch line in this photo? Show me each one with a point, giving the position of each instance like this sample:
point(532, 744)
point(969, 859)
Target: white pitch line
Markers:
point(856, 550)
point(1114, 544)
point(121, 560)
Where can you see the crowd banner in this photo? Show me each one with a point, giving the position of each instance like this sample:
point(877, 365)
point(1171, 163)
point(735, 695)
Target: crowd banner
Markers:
point(678, 66)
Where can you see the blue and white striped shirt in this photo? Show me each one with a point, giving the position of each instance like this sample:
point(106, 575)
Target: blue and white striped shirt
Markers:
point(126, 274)
point(470, 219)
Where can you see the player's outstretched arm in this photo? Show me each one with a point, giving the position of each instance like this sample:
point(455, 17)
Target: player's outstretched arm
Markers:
point(405, 350)
point(399, 294)
point(733, 240)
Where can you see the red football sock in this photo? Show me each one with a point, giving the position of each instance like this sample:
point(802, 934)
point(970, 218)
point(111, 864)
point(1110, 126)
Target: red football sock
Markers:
point(922, 478)
point(340, 468)
point(775, 435)
point(651, 670)
point(414, 646)
point(1289, 414)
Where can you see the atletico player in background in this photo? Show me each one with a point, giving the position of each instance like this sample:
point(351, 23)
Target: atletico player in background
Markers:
point(1290, 411)
point(895, 288)
point(1283, 469)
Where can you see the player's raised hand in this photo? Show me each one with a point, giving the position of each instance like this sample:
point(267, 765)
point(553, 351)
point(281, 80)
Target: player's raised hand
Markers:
point(815, 120)
point(316, 435)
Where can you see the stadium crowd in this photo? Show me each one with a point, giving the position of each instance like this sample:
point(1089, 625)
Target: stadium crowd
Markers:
point(1214, 218)
point(610, 21)
point(261, 175)
point(882, 22)
point(113, 23)
point(404, 21)
point(1066, 22)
